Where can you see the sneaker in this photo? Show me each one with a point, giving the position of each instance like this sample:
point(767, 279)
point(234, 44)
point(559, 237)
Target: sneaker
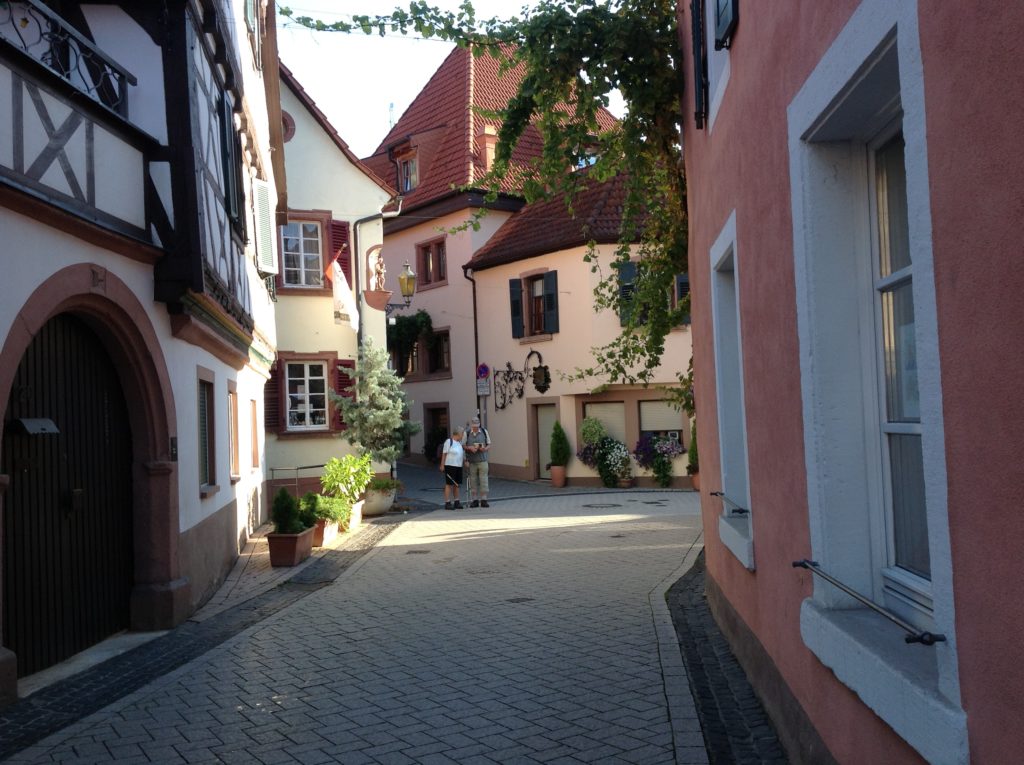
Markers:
point(474, 503)
point(484, 503)
point(447, 505)
point(457, 505)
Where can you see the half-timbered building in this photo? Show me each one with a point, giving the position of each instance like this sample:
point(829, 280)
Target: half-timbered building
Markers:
point(137, 212)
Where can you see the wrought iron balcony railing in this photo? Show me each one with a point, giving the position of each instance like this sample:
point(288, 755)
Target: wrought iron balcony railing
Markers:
point(32, 27)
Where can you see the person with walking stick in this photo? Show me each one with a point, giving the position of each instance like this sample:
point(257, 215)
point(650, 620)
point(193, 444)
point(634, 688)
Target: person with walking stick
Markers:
point(452, 457)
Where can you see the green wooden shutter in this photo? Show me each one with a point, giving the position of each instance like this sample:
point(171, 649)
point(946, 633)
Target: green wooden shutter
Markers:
point(551, 301)
point(682, 290)
point(627, 285)
point(515, 299)
point(727, 14)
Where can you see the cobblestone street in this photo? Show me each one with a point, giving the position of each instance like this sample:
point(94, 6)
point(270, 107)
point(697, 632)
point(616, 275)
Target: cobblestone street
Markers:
point(533, 631)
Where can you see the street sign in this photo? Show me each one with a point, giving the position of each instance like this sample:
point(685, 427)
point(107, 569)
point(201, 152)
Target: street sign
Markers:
point(483, 386)
point(483, 372)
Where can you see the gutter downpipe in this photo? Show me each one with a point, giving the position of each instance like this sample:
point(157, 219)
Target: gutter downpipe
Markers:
point(360, 262)
point(466, 271)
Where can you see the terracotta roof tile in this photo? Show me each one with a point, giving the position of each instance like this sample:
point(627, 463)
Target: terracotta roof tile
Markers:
point(442, 126)
point(546, 226)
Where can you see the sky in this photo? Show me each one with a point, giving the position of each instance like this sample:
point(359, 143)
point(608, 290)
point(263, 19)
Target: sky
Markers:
point(363, 83)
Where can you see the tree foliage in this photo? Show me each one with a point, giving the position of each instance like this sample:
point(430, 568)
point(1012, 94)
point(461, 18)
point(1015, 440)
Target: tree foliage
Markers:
point(571, 53)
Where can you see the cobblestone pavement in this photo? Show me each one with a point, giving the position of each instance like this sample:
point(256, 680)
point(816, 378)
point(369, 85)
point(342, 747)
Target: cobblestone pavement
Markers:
point(533, 631)
point(736, 727)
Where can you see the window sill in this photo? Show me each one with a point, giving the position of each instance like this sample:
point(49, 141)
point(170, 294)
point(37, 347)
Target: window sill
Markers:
point(208, 490)
point(446, 375)
point(431, 285)
point(235, 479)
point(288, 435)
point(899, 682)
point(734, 531)
point(542, 338)
point(286, 290)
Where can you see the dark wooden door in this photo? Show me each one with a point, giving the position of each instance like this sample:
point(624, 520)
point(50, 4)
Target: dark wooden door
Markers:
point(67, 545)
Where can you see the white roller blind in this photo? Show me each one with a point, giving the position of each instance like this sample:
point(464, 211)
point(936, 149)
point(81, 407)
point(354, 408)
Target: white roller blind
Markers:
point(612, 415)
point(660, 415)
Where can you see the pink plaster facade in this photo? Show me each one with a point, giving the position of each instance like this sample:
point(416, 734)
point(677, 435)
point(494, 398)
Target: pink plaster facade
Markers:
point(971, 64)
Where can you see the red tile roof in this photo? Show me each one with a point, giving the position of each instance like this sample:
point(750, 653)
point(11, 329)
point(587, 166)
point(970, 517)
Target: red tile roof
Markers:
point(545, 227)
point(442, 126)
point(300, 93)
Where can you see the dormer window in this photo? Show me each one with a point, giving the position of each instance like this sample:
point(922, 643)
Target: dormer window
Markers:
point(408, 173)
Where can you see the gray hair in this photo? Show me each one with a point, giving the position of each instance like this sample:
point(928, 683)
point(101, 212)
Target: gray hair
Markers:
point(458, 431)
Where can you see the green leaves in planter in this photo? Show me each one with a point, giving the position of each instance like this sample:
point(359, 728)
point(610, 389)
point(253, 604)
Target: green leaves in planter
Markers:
point(346, 477)
point(330, 509)
point(286, 514)
point(560, 449)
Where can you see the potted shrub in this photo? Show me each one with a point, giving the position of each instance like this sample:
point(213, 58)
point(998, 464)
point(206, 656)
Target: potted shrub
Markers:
point(692, 462)
point(291, 542)
point(560, 451)
point(380, 495)
point(329, 514)
point(344, 479)
point(591, 432)
point(656, 454)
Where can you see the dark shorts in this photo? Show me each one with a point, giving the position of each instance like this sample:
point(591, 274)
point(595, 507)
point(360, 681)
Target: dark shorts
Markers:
point(452, 475)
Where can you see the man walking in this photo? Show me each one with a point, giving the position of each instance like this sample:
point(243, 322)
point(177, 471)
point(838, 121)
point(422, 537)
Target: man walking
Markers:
point(478, 442)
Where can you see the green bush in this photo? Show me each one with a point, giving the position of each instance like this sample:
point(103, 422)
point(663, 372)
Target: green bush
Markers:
point(317, 507)
point(693, 463)
point(592, 431)
point(286, 514)
point(346, 477)
point(560, 449)
point(307, 509)
point(384, 484)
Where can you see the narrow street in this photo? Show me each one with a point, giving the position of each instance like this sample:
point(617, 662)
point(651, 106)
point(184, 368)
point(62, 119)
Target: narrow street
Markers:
point(532, 631)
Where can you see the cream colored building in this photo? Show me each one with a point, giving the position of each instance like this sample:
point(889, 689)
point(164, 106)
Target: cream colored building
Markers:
point(335, 206)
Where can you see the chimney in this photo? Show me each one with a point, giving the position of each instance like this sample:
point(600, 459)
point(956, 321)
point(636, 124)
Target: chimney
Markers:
point(486, 143)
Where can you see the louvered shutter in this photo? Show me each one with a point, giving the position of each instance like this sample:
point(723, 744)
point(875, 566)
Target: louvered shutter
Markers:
point(726, 18)
point(682, 290)
point(343, 370)
point(551, 301)
point(340, 250)
point(266, 260)
point(627, 285)
point(272, 420)
point(700, 79)
point(515, 299)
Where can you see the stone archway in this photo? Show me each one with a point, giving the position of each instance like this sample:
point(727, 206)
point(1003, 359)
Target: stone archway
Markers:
point(159, 598)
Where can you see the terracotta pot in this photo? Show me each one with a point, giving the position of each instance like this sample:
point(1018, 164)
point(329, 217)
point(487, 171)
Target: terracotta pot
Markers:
point(324, 532)
point(627, 483)
point(558, 476)
point(290, 549)
point(695, 480)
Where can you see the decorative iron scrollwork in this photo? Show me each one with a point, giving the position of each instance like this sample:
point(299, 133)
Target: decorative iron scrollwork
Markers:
point(510, 384)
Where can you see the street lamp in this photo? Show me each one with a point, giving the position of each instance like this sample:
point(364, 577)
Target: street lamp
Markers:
point(407, 286)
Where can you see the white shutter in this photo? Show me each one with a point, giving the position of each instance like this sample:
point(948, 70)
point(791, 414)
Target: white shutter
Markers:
point(660, 415)
point(611, 415)
point(266, 258)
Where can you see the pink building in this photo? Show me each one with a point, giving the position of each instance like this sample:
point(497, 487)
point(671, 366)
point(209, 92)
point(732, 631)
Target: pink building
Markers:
point(855, 199)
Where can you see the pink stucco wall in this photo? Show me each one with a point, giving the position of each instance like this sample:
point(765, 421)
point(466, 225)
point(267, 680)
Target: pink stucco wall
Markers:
point(976, 164)
point(975, 110)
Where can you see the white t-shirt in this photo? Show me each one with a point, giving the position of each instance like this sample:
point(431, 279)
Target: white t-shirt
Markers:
point(454, 454)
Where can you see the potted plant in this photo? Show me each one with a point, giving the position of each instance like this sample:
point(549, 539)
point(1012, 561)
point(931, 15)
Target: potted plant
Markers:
point(380, 495)
point(330, 514)
point(291, 542)
point(692, 461)
point(591, 432)
point(655, 453)
point(560, 451)
point(346, 478)
point(614, 464)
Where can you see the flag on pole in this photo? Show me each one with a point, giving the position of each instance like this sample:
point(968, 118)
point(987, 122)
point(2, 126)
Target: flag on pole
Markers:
point(345, 308)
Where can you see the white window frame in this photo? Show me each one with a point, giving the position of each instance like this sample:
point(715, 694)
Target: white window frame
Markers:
point(914, 690)
point(305, 394)
point(735, 529)
point(409, 175)
point(303, 271)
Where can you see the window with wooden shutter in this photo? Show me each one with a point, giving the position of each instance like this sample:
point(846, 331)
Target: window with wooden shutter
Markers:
point(343, 371)
point(266, 260)
point(340, 249)
point(682, 291)
point(272, 401)
point(515, 299)
point(700, 70)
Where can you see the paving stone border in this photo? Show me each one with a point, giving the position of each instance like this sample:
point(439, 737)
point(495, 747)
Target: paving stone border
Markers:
point(736, 727)
point(65, 702)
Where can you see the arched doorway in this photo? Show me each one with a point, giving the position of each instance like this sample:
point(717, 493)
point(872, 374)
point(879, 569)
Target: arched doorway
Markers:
point(67, 521)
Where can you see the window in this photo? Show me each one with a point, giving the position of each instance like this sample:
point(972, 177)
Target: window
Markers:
point(612, 415)
point(869, 377)
point(440, 355)
point(533, 302)
point(680, 293)
point(408, 174)
point(735, 526)
point(307, 396)
point(661, 419)
point(431, 263)
point(412, 363)
point(252, 25)
point(233, 429)
point(207, 442)
point(254, 435)
point(302, 253)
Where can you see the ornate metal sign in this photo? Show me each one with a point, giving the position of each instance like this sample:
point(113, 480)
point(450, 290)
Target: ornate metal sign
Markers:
point(510, 384)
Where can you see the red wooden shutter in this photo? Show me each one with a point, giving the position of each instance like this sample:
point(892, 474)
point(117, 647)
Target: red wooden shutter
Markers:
point(272, 411)
point(340, 250)
point(343, 369)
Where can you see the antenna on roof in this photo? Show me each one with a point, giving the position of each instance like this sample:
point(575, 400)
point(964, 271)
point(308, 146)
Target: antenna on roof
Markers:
point(391, 115)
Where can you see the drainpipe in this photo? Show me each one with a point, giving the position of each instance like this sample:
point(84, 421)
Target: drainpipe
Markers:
point(481, 411)
point(358, 253)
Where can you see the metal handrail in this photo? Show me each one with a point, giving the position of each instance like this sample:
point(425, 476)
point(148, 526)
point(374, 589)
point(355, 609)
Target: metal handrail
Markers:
point(914, 635)
point(737, 508)
point(68, 52)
